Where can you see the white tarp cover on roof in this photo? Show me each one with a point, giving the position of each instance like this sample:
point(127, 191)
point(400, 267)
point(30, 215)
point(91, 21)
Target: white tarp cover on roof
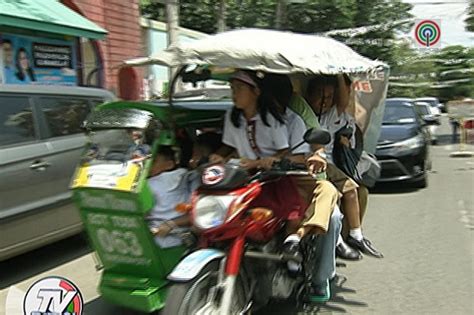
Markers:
point(289, 53)
point(265, 50)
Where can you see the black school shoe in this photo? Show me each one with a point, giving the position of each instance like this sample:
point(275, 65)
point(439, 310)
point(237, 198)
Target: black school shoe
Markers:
point(365, 246)
point(292, 251)
point(346, 252)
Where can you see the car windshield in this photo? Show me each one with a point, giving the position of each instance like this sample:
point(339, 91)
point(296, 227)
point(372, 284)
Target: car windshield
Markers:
point(422, 110)
point(398, 114)
point(432, 103)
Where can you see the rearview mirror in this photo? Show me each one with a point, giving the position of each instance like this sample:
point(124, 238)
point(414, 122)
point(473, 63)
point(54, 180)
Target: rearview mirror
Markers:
point(317, 136)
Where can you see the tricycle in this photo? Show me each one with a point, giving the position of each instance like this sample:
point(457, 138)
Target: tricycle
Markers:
point(111, 191)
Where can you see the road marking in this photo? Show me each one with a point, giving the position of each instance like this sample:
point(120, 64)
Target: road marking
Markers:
point(467, 216)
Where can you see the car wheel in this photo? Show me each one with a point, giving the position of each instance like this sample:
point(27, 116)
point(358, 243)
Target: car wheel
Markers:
point(434, 141)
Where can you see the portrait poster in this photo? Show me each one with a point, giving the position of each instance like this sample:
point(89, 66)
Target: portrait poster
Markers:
point(37, 60)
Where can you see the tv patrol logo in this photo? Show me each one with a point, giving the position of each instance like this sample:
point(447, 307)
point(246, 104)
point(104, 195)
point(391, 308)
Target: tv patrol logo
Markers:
point(53, 296)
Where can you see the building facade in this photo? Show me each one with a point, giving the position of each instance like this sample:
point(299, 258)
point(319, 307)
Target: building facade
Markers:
point(121, 18)
point(71, 42)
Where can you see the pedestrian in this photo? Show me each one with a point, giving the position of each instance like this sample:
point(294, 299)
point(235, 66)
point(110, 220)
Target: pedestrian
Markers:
point(454, 129)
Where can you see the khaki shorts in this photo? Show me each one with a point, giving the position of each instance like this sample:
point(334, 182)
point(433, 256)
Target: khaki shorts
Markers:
point(339, 179)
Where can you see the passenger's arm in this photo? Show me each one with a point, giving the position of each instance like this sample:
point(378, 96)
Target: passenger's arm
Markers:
point(166, 227)
point(183, 220)
point(317, 162)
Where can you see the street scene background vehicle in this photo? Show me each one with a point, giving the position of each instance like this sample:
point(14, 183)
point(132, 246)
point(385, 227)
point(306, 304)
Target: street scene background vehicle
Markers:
point(84, 50)
point(41, 141)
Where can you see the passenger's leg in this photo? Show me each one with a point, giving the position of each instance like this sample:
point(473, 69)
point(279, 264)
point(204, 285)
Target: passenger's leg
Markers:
point(320, 259)
point(355, 238)
point(350, 204)
point(325, 198)
point(363, 193)
point(351, 210)
point(327, 245)
point(317, 215)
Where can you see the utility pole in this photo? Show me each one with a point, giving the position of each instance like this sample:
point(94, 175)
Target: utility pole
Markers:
point(172, 28)
point(221, 18)
point(280, 14)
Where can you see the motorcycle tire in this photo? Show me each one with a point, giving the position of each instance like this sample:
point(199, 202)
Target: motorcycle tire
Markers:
point(185, 298)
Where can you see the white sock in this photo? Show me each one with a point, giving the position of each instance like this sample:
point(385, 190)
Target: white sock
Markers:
point(292, 238)
point(339, 240)
point(356, 233)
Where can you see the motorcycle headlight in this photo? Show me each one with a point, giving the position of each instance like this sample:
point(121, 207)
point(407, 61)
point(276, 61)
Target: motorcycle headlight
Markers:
point(411, 143)
point(210, 211)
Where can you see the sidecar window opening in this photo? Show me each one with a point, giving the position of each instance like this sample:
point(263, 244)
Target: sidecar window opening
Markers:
point(112, 145)
point(203, 82)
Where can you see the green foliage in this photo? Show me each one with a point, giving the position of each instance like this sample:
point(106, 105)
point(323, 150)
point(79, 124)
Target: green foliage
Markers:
point(470, 17)
point(318, 16)
point(434, 74)
point(313, 16)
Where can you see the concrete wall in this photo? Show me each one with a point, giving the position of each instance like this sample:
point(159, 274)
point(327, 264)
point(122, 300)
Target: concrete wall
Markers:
point(155, 39)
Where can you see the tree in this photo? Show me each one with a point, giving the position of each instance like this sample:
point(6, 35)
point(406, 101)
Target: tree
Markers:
point(446, 74)
point(312, 16)
point(454, 68)
point(470, 17)
point(221, 17)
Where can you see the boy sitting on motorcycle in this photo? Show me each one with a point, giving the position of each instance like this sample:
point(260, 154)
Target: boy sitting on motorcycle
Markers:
point(331, 109)
point(170, 187)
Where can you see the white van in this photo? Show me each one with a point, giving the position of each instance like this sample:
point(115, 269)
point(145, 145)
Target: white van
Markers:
point(40, 142)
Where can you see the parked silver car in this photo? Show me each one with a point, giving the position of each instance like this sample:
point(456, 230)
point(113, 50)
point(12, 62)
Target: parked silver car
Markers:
point(40, 142)
point(437, 107)
point(426, 111)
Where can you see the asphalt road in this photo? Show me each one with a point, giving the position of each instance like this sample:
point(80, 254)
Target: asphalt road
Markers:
point(426, 236)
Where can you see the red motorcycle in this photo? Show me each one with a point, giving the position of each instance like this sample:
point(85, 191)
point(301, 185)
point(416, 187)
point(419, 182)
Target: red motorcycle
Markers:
point(239, 265)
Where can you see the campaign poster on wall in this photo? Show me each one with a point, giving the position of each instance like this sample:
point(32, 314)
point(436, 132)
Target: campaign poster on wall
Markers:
point(37, 60)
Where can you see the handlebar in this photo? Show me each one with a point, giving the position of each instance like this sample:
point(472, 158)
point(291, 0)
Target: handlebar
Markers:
point(284, 167)
point(287, 165)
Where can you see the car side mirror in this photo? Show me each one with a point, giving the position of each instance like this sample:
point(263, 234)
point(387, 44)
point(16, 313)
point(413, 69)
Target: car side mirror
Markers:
point(431, 120)
point(317, 136)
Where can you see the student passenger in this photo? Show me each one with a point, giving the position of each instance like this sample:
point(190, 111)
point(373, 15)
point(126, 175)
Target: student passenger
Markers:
point(322, 258)
point(257, 130)
point(169, 186)
point(172, 185)
point(333, 116)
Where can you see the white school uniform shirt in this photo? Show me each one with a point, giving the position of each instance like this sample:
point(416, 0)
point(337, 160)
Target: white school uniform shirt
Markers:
point(267, 139)
point(296, 129)
point(169, 188)
point(333, 122)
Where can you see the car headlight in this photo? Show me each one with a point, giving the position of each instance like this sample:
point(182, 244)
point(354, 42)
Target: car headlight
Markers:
point(210, 211)
point(410, 144)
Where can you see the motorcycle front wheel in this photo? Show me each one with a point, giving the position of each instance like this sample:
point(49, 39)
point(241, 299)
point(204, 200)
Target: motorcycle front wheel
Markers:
point(194, 297)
